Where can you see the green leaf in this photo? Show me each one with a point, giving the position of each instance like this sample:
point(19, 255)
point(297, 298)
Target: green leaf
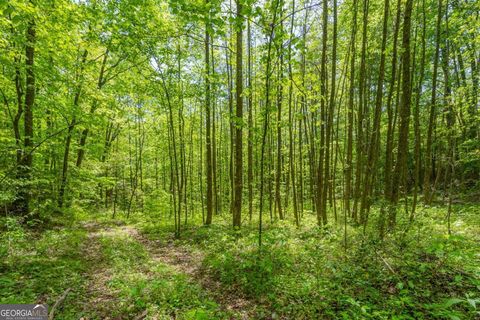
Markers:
point(452, 301)
point(473, 303)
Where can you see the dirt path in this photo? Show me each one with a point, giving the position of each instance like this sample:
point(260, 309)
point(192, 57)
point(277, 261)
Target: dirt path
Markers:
point(190, 262)
point(100, 299)
point(179, 258)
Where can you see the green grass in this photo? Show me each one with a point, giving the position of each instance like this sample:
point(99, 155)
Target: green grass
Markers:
point(307, 273)
point(143, 284)
point(40, 267)
point(417, 272)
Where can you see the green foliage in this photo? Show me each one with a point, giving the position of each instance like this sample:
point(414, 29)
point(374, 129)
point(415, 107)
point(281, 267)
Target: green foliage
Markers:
point(124, 84)
point(300, 273)
point(40, 267)
point(158, 203)
point(306, 273)
point(145, 284)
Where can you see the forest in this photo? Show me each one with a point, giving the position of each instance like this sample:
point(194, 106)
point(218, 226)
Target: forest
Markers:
point(240, 159)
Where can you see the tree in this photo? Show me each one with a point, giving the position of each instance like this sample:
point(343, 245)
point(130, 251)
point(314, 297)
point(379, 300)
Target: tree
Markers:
point(208, 134)
point(238, 185)
point(21, 206)
point(400, 167)
point(432, 114)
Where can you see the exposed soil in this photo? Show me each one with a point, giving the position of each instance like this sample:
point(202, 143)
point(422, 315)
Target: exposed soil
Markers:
point(100, 297)
point(182, 259)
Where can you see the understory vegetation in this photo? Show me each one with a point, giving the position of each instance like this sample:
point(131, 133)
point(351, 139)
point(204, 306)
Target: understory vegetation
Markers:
point(113, 270)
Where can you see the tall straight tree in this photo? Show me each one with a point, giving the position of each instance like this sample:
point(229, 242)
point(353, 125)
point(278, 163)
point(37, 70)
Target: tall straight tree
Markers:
point(418, 94)
point(361, 113)
point(266, 113)
point(351, 98)
point(238, 184)
point(324, 116)
point(71, 127)
point(375, 136)
point(329, 126)
point(390, 113)
point(83, 138)
point(432, 115)
point(250, 123)
point(21, 205)
point(278, 171)
point(208, 135)
point(402, 150)
point(291, 159)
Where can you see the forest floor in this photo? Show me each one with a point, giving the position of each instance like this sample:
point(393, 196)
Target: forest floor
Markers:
point(178, 260)
point(90, 266)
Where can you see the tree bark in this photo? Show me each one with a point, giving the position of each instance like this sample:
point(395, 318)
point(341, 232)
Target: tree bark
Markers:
point(238, 185)
point(375, 136)
point(349, 153)
point(208, 135)
point(399, 175)
point(427, 192)
point(21, 205)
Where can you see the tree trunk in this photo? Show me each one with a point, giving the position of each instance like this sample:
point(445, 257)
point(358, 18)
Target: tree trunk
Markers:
point(427, 196)
point(398, 180)
point(390, 125)
point(418, 141)
point(85, 132)
point(21, 205)
point(349, 153)
point(291, 157)
point(208, 135)
point(250, 124)
point(375, 136)
point(71, 127)
point(237, 207)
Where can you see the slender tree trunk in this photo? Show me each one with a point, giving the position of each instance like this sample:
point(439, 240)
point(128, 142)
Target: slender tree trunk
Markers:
point(200, 165)
point(85, 132)
point(291, 157)
point(361, 114)
point(323, 117)
point(250, 124)
point(427, 196)
point(278, 171)
point(402, 150)
point(265, 122)
point(71, 127)
point(390, 125)
point(231, 127)
point(375, 137)
point(208, 135)
point(237, 213)
point(177, 204)
point(215, 197)
point(349, 155)
point(331, 109)
point(21, 205)
point(418, 142)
